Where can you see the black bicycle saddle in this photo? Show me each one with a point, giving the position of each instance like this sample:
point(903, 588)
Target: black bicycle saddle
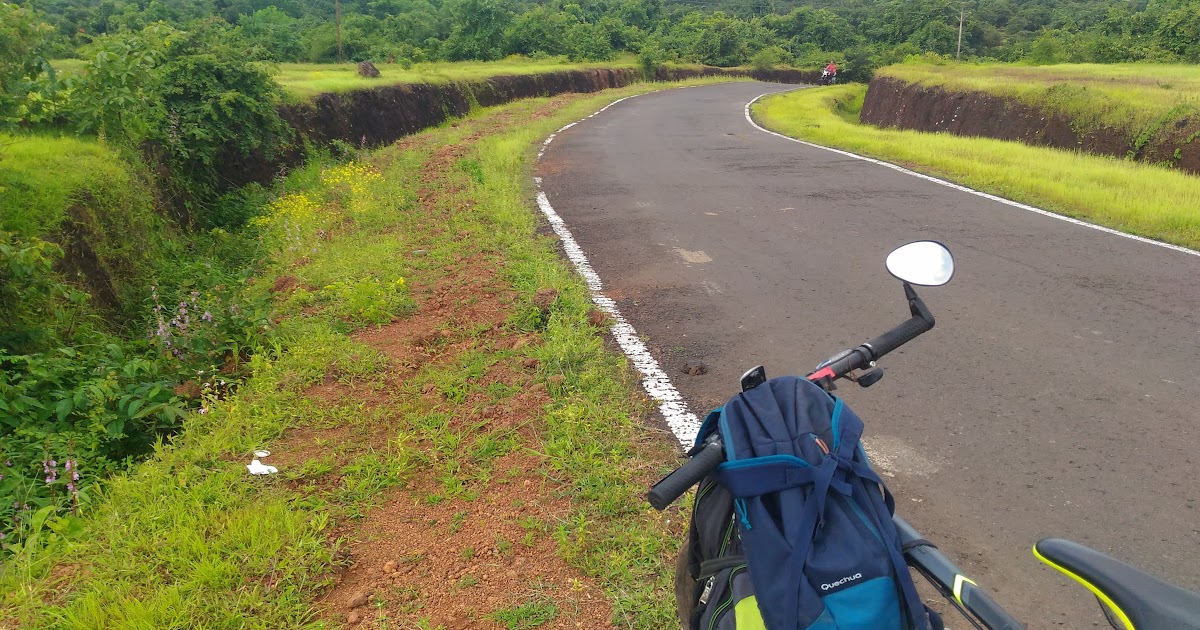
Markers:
point(1135, 598)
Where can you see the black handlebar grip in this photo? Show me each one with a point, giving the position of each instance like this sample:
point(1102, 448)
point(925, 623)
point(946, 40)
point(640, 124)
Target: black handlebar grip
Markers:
point(899, 336)
point(675, 484)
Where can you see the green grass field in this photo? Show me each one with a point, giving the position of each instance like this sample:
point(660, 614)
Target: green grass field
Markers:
point(304, 80)
point(1129, 96)
point(1140, 199)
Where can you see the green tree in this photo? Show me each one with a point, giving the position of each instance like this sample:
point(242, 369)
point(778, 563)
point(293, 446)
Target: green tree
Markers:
point(1179, 31)
point(1049, 48)
point(589, 42)
point(936, 37)
point(478, 31)
point(112, 95)
point(540, 29)
point(769, 57)
point(28, 88)
point(276, 32)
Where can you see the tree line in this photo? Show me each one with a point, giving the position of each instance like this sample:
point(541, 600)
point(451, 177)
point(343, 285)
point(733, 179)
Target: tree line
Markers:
point(716, 32)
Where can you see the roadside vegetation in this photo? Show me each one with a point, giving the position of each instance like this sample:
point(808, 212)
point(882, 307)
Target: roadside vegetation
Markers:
point(429, 351)
point(1150, 201)
point(1142, 97)
point(121, 284)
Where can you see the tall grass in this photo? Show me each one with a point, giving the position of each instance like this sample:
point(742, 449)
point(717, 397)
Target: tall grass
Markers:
point(42, 175)
point(1140, 199)
point(1125, 96)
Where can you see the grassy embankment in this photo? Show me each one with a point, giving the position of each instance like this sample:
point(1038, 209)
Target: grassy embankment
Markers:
point(1140, 199)
point(433, 351)
point(1143, 98)
point(305, 80)
point(40, 176)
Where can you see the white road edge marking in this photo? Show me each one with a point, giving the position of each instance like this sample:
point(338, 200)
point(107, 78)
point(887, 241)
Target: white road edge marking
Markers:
point(683, 423)
point(962, 188)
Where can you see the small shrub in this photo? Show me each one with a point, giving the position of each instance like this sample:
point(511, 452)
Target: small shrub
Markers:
point(368, 300)
point(768, 58)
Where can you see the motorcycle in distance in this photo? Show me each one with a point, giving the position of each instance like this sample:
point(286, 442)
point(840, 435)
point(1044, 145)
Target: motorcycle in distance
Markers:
point(1130, 598)
point(828, 78)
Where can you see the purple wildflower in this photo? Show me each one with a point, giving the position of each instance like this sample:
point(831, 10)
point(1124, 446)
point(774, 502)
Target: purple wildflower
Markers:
point(207, 316)
point(50, 467)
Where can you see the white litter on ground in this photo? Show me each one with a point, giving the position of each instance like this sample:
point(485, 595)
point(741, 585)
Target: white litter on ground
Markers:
point(258, 468)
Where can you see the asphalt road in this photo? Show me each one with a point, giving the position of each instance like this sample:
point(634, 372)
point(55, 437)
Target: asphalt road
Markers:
point(1058, 394)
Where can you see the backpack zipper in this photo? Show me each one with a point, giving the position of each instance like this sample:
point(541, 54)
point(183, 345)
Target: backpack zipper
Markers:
point(712, 622)
point(707, 590)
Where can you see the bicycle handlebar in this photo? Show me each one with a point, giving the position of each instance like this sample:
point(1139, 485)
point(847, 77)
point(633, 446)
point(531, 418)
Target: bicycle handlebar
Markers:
point(921, 322)
point(712, 452)
point(671, 487)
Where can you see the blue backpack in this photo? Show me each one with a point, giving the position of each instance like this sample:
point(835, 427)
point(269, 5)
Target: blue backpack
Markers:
point(794, 530)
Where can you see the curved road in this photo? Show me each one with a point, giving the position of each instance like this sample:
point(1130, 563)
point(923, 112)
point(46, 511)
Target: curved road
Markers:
point(1058, 394)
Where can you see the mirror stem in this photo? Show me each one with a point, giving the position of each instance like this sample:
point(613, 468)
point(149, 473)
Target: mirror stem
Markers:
point(916, 306)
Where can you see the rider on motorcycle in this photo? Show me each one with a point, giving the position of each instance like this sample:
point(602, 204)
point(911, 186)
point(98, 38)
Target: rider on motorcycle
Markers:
point(829, 74)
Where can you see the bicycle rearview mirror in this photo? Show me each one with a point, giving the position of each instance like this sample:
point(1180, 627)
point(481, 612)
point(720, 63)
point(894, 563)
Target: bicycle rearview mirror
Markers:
point(923, 263)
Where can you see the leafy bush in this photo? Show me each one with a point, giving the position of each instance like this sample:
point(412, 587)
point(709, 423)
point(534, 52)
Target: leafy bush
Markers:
point(769, 57)
point(99, 387)
point(69, 393)
point(113, 94)
point(29, 91)
point(193, 94)
point(212, 101)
